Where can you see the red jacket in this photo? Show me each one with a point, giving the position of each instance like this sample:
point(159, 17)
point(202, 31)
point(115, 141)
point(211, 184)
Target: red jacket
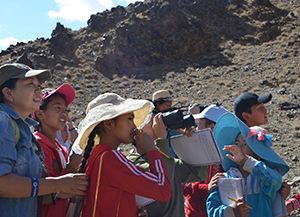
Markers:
point(55, 168)
point(196, 194)
point(120, 181)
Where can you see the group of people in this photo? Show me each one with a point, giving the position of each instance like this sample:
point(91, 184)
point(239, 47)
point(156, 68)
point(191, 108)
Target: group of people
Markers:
point(45, 160)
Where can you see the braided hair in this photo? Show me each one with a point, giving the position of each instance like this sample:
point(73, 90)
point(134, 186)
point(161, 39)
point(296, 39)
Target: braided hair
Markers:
point(88, 149)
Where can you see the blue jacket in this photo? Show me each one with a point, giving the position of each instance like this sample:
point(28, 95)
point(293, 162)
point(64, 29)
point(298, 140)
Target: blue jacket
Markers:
point(19, 159)
point(260, 190)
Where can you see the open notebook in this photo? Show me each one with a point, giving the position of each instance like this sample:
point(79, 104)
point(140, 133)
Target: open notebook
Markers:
point(198, 150)
point(229, 189)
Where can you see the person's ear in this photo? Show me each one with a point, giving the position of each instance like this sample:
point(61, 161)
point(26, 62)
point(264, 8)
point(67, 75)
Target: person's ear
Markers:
point(8, 94)
point(212, 126)
point(40, 115)
point(108, 124)
point(246, 116)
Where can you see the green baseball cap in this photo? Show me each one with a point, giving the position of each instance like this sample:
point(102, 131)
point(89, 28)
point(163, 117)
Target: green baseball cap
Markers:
point(19, 70)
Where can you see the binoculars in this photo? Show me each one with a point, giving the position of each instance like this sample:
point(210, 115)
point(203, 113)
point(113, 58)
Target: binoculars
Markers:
point(175, 120)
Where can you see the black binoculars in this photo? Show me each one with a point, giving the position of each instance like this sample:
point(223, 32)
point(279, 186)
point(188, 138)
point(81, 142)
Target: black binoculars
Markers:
point(175, 120)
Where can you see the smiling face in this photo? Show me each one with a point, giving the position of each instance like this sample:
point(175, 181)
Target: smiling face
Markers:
point(55, 115)
point(25, 97)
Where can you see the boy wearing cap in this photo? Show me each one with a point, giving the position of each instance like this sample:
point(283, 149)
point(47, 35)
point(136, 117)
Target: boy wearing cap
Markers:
point(196, 193)
point(249, 107)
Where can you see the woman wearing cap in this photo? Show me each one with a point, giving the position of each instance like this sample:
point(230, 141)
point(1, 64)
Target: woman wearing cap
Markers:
point(21, 156)
point(52, 117)
point(253, 160)
point(114, 180)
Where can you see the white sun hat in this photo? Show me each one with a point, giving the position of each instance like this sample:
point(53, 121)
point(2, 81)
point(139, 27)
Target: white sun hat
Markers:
point(106, 107)
point(212, 112)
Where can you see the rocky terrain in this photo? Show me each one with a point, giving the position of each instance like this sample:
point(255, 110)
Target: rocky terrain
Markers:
point(204, 51)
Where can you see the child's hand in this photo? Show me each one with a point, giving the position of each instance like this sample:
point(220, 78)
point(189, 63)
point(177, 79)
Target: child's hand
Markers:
point(285, 190)
point(214, 181)
point(74, 163)
point(241, 210)
point(143, 142)
point(158, 127)
point(236, 154)
point(189, 131)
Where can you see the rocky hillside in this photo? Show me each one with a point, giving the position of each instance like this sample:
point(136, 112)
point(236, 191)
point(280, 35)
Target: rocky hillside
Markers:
point(204, 51)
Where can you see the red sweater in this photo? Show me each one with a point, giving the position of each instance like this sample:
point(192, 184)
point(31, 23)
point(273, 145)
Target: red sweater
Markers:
point(55, 168)
point(196, 194)
point(120, 181)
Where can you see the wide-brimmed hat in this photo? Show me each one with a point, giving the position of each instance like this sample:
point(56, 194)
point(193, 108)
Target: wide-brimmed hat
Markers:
point(65, 89)
point(226, 131)
point(211, 112)
point(161, 95)
point(19, 70)
point(106, 107)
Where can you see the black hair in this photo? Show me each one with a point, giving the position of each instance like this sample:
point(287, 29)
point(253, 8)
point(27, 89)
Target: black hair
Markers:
point(240, 115)
point(43, 107)
point(11, 84)
point(90, 145)
point(45, 102)
point(88, 149)
point(208, 122)
point(157, 103)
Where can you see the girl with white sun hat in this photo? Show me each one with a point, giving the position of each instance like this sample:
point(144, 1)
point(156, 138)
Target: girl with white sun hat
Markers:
point(114, 180)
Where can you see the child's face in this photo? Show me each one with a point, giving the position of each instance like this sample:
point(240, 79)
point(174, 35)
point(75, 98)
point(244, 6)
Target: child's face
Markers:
point(258, 115)
point(124, 128)
point(241, 143)
point(203, 123)
point(55, 115)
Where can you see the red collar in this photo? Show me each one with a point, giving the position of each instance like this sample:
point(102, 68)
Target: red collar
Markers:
point(98, 150)
point(45, 140)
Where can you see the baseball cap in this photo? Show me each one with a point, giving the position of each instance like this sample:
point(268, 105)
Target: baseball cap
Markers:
point(212, 112)
point(65, 89)
point(244, 101)
point(161, 95)
point(194, 109)
point(19, 70)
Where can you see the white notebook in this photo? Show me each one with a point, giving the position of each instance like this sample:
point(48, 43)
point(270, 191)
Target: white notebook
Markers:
point(230, 188)
point(198, 150)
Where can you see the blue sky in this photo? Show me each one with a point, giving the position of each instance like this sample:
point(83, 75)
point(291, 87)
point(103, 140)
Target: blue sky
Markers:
point(23, 20)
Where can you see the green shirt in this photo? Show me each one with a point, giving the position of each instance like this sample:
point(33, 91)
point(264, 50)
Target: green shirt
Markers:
point(178, 173)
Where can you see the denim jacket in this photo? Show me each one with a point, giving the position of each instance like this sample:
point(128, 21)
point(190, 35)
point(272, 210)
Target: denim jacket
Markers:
point(19, 159)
